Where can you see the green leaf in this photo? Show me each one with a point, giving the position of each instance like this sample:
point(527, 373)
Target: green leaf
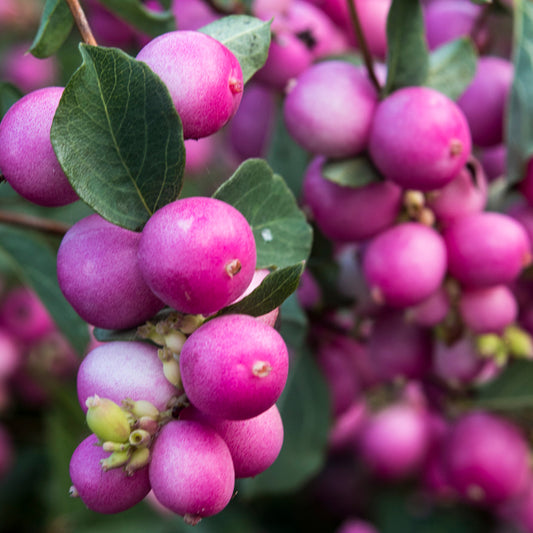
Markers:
point(247, 37)
point(408, 55)
point(9, 94)
point(519, 131)
point(355, 172)
point(135, 13)
point(305, 411)
point(56, 24)
point(272, 292)
point(452, 67)
point(511, 390)
point(35, 264)
point(282, 235)
point(118, 137)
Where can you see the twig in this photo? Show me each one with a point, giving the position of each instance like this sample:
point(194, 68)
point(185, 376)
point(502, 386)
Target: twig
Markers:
point(367, 56)
point(81, 22)
point(29, 221)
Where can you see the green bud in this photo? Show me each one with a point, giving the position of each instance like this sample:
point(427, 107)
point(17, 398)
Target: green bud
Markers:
point(519, 342)
point(109, 446)
point(489, 345)
point(141, 408)
point(107, 420)
point(116, 460)
point(140, 437)
point(174, 341)
point(139, 458)
point(171, 369)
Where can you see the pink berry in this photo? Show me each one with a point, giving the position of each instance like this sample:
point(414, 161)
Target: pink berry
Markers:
point(191, 470)
point(98, 275)
point(193, 14)
point(254, 443)
point(419, 138)
point(332, 119)
point(486, 249)
point(485, 100)
point(349, 214)
point(10, 354)
point(25, 316)
point(27, 159)
point(401, 428)
point(488, 309)
point(104, 492)
point(432, 310)
point(486, 458)
point(197, 254)
point(234, 367)
point(203, 77)
point(405, 264)
point(120, 370)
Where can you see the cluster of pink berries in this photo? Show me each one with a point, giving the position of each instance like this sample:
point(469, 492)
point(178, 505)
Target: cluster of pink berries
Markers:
point(221, 377)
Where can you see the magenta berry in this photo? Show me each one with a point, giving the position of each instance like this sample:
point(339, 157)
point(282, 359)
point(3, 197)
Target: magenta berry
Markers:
point(98, 274)
point(485, 100)
point(432, 310)
point(197, 254)
point(254, 443)
point(203, 77)
point(120, 370)
point(419, 138)
point(458, 363)
point(401, 428)
point(234, 367)
point(25, 316)
point(107, 492)
point(193, 14)
point(349, 214)
point(486, 458)
point(27, 159)
point(488, 309)
point(486, 249)
point(332, 119)
point(405, 264)
point(191, 471)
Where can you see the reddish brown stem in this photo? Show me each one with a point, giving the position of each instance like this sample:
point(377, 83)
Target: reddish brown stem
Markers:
point(81, 22)
point(367, 56)
point(29, 221)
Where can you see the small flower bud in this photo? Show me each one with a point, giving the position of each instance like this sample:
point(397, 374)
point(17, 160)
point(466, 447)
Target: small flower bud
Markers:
point(174, 341)
point(519, 342)
point(107, 420)
point(140, 437)
point(116, 460)
point(148, 424)
point(109, 446)
point(140, 408)
point(139, 458)
point(171, 369)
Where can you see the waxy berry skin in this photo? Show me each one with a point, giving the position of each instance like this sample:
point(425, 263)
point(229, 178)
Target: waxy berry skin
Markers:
point(234, 367)
point(197, 254)
point(105, 492)
point(419, 138)
point(98, 275)
point(120, 370)
point(204, 79)
point(191, 470)
point(27, 159)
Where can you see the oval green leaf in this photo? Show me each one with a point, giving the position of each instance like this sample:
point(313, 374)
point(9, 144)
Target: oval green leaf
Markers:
point(452, 67)
point(133, 12)
point(282, 235)
point(272, 292)
point(247, 37)
point(519, 125)
point(355, 172)
point(34, 262)
point(118, 137)
point(408, 55)
point(55, 26)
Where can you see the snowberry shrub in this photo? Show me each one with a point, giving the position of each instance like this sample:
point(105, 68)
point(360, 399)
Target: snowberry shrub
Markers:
point(332, 119)
point(98, 274)
point(27, 159)
point(197, 254)
point(203, 77)
point(191, 471)
point(419, 138)
point(120, 370)
point(234, 367)
point(104, 492)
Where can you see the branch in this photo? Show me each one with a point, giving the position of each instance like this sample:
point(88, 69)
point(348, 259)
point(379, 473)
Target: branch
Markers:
point(367, 56)
point(81, 22)
point(28, 221)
